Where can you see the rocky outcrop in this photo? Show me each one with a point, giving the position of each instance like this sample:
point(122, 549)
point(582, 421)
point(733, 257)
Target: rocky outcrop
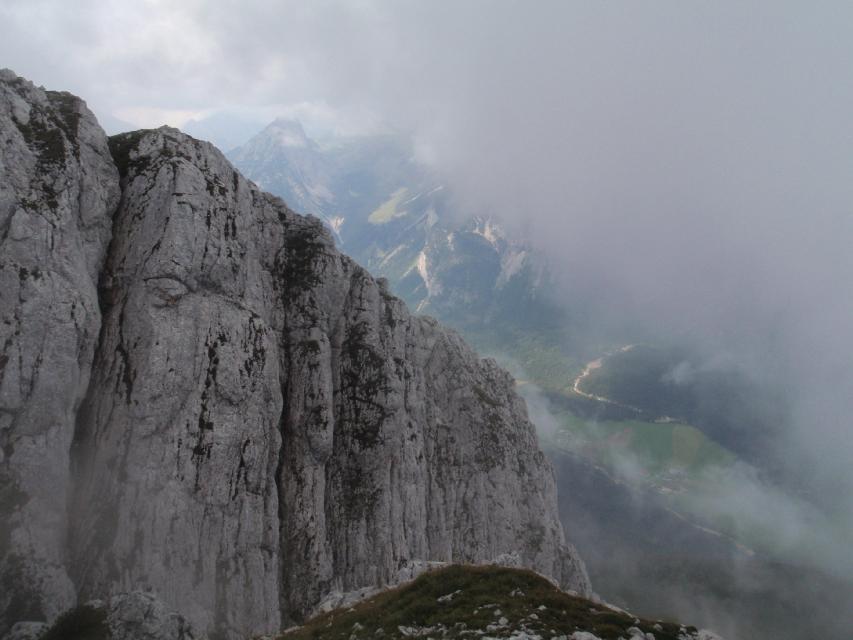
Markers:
point(179, 439)
point(141, 616)
point(127, 616)
point(58, 189)
point(265, 424)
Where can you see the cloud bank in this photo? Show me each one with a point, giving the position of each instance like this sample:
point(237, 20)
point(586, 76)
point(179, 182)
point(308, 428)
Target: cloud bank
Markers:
point(687, 166)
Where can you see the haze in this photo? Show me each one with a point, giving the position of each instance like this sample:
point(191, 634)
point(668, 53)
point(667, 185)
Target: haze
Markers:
point(688, 166)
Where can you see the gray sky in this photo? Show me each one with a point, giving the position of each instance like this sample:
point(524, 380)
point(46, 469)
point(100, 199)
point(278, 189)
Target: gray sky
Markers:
point(691, 162)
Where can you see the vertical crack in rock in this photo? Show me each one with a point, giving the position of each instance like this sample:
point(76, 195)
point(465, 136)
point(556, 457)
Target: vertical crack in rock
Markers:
point(280, 564)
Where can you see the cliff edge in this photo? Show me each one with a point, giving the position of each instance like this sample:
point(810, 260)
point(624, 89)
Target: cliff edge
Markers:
point(200, 397)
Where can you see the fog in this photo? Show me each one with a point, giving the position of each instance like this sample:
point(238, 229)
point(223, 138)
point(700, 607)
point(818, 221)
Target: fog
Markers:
point(778, 567)
point(687, 166)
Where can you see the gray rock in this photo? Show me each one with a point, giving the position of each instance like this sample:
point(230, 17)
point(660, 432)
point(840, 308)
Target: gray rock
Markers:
point(180, 435)
point(141, 616)
point(264, 424)
point(58, 189)
point(26, 631)
point(126, 616)
point(303, 433)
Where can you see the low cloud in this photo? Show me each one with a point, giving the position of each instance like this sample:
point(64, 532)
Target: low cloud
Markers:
point(681, 374)
point(685, 166)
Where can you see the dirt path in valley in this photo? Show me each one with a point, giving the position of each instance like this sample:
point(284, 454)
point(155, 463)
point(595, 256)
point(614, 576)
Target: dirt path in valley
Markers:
point(597, 364)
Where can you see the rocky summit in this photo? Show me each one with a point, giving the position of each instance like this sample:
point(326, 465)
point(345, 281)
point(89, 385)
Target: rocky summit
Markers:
point(204, 403)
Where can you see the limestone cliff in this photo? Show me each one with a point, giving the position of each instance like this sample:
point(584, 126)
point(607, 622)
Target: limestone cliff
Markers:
point(58, 189)
point(261, 424)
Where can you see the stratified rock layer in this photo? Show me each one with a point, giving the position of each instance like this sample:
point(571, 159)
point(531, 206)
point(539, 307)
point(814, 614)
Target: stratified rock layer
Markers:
point(264, 424)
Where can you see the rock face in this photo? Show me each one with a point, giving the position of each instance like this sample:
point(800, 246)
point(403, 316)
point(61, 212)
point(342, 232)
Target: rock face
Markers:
point(263, 423)
point(58, 189)
point(136, 615)
point(140, 616)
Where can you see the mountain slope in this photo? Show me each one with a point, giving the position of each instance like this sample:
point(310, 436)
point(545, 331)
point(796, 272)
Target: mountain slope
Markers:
point(398, 220)
point(262, 424)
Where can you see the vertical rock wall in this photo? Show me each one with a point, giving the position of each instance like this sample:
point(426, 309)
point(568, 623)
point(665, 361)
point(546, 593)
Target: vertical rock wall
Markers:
point(179, 439)
point(262, 423)
point(58, 189)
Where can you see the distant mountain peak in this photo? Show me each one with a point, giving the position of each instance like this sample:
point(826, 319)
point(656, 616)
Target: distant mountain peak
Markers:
point(288, 133)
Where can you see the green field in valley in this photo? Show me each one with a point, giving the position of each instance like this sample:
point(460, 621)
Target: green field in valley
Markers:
point(388, 210)
point(663, 454)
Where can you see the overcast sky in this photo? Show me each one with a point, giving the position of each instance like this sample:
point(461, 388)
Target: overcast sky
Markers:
point(690, 161)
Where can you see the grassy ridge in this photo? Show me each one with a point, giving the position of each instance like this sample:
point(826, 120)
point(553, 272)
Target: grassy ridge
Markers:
point(460, 601)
